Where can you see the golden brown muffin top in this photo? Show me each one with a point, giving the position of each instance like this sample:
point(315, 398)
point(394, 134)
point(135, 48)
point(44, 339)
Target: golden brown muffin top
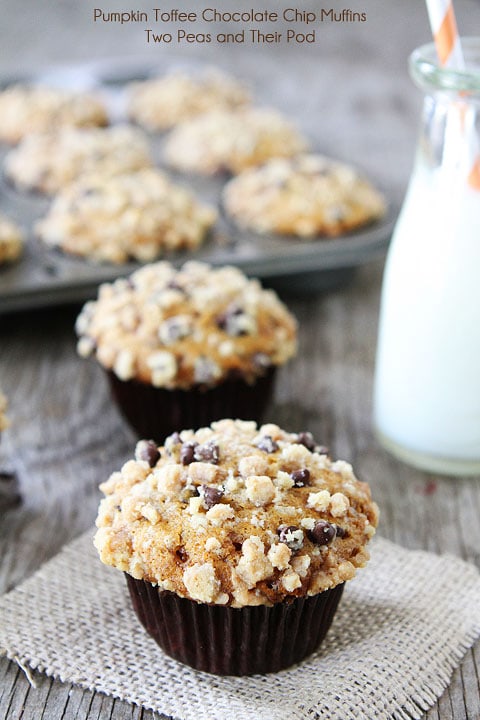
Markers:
point(37, 108)
point(236, 515)
point(198, 325)
point(137, 215)
point(162, 102)
point(49, 161)
point(306, 196)
point(231, 141)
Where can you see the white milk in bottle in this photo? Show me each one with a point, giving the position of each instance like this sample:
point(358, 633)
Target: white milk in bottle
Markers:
point(427, 380)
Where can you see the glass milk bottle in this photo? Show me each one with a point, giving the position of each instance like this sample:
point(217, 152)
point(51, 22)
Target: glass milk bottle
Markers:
point(427, 378)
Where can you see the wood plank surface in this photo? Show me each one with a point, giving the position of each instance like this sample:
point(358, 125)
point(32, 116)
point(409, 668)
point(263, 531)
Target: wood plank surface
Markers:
point(66, 436)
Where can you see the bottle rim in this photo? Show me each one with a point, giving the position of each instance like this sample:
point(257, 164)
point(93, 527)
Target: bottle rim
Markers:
point(429, 75)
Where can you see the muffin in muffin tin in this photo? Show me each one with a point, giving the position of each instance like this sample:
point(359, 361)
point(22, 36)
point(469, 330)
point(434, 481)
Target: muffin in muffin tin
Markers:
point(38, 108)
point(48, 162)
point(223, 141)
point(139, 215)
point(161, 103)
point(306, 196)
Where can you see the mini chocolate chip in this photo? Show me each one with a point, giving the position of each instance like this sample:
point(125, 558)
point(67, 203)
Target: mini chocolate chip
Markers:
point(208, 452)
point(187, 452)
point(322, 533)
point(341, 532)
point(306, 439)
point(267, 444)
point(147, 451)
point(300, 477)
point(182, 554)
point(211, 496)
point(173, 285)
point(291, 535)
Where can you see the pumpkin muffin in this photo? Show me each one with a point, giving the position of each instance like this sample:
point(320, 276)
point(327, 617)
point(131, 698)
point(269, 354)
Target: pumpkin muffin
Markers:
point(161, 103)
point(48, 162)
point(229, 142)
point(183, 347)
point(236, 541)
point(36, 108)
point(140, 215)
point(307, 196)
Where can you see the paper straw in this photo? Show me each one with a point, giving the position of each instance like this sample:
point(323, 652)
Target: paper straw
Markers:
point(449, 50)
point(445, 33)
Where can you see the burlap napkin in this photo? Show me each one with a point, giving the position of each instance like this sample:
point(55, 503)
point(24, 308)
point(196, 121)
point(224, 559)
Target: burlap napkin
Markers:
point(402, 627)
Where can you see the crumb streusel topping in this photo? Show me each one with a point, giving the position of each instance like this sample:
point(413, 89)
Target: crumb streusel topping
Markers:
point(306, 196)
point(35, 108)
point(138, 215)
point(50, 161)
point(163, 102)
point(181, 328)
point(236, 515)
point(231, 141)
point(11, 240)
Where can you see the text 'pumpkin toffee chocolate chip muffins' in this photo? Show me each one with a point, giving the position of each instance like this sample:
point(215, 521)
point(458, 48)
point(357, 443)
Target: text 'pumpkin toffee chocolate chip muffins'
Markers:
point(236, 543)
point(185, 347)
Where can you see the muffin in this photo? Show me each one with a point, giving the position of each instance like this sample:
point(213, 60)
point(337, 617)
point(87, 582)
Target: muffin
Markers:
point(163, 102)
point(306, 196)
point(236, 543)
point(185, 347)
point(225, 141)
point(36, 108)
point(47, 162)
point(11, 240)
point(140, 215)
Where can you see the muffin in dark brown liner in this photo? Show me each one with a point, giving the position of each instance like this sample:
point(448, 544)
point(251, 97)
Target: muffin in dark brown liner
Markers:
point(234, 641)
point(184, 347)
point(157, 412)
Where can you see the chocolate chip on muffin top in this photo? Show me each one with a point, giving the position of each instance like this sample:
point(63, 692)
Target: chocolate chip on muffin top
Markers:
point(182, 328)
point(220, 519)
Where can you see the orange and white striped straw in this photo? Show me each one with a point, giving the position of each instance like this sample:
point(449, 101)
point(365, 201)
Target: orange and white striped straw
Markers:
point(449, 50)
point(445, 33)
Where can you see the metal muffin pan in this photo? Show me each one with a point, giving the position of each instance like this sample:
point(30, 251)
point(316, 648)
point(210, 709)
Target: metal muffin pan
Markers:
point(46, 277)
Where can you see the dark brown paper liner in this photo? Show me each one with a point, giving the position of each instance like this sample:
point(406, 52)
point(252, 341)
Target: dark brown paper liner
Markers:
point(234, 641)
point(157, 412)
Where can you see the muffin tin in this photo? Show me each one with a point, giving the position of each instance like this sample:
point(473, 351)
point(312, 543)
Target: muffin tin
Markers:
point(44, 276)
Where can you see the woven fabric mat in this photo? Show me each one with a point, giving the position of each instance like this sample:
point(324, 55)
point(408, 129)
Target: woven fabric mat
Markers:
point(401, 629)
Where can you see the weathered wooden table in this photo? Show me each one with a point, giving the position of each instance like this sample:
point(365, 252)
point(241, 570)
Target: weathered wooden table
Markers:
point(352, 93)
